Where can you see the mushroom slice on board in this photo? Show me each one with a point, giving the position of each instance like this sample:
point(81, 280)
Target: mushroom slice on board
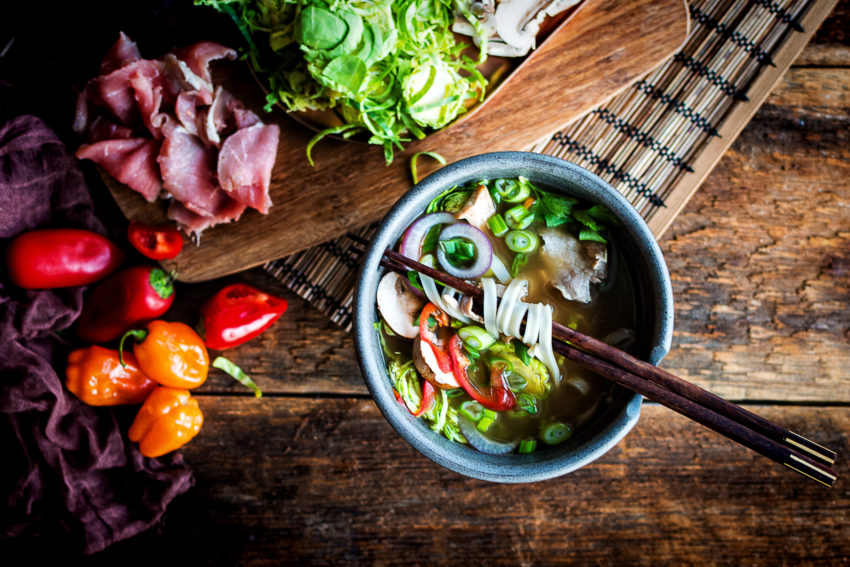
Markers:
point(513, 26)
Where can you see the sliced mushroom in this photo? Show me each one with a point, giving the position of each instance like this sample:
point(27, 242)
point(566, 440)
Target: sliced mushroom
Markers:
point(478, 208)
point(518, 21)
point(511, 28)
point(427, 365)
point(398, 305)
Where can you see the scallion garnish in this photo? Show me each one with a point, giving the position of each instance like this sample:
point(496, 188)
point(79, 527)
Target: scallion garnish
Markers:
point(472, 410)
point(555, 433)
point(527, 446)
point(512, 191)
point(476, 338)
point(517, 264)
point(497, 225)
point(522, 241)
point(527, 403)
point(519, 217)
point(522, 351)
point(488, 418)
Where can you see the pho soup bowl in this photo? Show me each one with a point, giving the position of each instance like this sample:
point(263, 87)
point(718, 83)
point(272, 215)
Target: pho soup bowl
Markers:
point(632, 246)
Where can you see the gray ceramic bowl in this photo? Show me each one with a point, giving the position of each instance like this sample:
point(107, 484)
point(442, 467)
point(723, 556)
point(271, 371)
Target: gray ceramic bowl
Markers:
point(654, 300)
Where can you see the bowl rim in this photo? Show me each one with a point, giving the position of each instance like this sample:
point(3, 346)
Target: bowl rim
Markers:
point(457, 457)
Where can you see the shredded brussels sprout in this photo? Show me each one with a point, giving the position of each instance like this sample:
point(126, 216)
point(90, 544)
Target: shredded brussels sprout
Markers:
point(391, 69)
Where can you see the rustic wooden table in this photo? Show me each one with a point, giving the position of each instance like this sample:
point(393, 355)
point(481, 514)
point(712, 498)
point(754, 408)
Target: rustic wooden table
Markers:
point(760, 261)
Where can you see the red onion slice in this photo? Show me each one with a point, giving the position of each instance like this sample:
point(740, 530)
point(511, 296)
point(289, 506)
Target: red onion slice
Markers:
point(411, 242)
point(483, 251)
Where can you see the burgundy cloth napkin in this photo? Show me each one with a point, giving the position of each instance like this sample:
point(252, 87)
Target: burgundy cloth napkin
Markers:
point(67, 468)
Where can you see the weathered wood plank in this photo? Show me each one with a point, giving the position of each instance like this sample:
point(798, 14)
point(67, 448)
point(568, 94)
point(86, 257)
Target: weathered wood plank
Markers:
point(830, 46)
point(298, 481)
point(759, 258)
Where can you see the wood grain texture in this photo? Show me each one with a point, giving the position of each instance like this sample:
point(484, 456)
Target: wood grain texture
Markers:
point(760, 258)
point(601, 49)
point(329, 482)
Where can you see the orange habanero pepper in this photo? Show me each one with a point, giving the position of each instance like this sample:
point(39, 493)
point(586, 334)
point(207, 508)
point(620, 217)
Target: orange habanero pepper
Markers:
point(168, 419)
point(96, 376)
point(172, 354)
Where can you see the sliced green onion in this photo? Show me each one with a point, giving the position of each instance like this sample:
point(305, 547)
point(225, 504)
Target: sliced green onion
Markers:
point(592, 235)
point(512, 192)
point(415, 157)
point(476, 337)
point(556, 433)
point(527, 402)
point(237, 374)
point(488, 418)
point(517, 264)
point(519, 217)
point(522, 351)
point(459, 251)
point(521, 241)
point(472, 409)
point(497, 225)
point(527, 446)
point(516, 382)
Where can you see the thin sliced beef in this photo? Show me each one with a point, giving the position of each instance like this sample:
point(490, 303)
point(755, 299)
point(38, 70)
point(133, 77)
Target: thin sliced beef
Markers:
point(227, 210)
point(180, 78)
point(147, 85)
point(245, 164)
point(199, 56)
point(188, 170)
point(122, 52)
point(104, 128)
point(131, 161)
point(117, 90)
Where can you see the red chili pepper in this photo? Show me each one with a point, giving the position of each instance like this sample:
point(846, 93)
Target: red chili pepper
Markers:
point(496, 397)
point(155, 242)
point(125, 300)
point(60, 257)
point(428, 396)
point(433, 324)
point(237, 314)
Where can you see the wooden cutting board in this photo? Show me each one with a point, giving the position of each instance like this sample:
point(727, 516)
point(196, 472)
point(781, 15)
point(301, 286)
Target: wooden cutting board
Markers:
point(602, 48)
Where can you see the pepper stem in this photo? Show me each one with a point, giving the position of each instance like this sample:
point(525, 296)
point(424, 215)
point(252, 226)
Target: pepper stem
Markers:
point(138, 334)
point(162, 282)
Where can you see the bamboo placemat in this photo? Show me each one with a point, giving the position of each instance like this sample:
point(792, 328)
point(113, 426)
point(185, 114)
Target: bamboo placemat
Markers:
point(655, 143)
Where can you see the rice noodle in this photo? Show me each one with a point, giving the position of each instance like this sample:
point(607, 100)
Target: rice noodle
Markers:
point(500, 270)
point(505, 318)
point(491, 300)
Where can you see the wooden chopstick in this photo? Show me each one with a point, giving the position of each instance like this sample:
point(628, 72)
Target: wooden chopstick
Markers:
point(722, 416)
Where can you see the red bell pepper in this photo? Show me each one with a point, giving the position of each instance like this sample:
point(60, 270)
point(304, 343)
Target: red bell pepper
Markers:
point(496, 396)
point(432, 326)
point(237, 314)
point(60, 257)
point(155, 242)
point(428, 396)
point(128, 299)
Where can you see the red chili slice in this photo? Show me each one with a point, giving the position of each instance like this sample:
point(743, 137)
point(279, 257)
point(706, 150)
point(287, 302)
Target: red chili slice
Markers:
point(431, 321)
point(155, 242)
point(428, 396)
point(496, 396)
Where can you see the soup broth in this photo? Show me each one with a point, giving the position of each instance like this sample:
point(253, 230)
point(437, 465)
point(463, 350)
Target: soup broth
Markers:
point(504, 397)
